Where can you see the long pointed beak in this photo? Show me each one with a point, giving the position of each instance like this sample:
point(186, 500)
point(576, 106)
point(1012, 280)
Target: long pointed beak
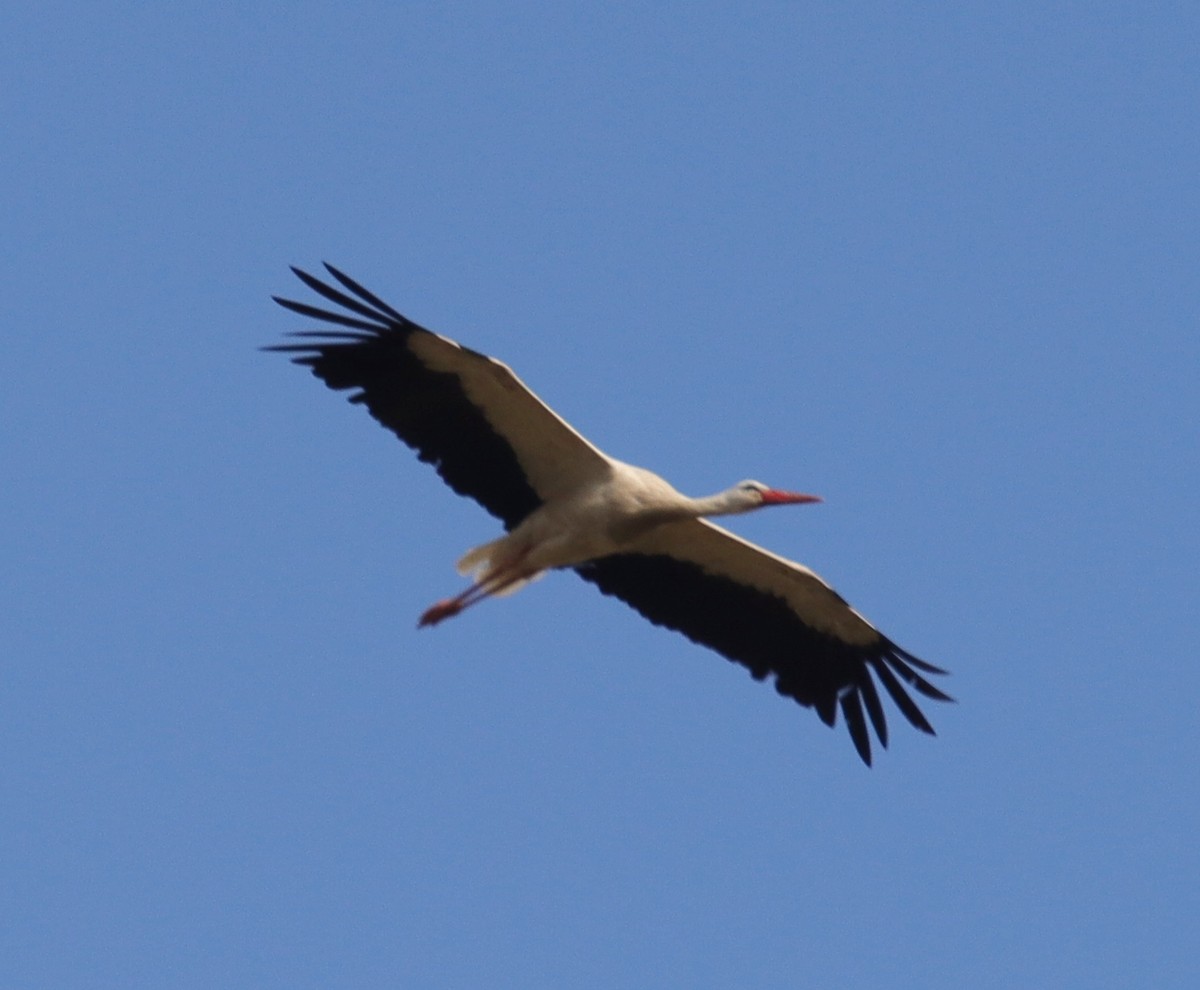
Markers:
point(775, 497)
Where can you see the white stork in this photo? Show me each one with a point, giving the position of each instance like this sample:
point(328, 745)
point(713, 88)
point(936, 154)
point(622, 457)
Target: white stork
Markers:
point(564, 503)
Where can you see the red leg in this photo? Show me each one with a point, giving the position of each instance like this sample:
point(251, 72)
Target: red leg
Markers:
point(444, 609)
point(447, 608)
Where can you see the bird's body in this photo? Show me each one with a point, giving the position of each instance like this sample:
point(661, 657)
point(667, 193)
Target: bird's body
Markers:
point(565, 504)
point(597, 518)
point(614, 513)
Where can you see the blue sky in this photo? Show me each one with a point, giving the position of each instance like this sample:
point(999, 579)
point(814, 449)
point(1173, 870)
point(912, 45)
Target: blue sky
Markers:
point(937, 263)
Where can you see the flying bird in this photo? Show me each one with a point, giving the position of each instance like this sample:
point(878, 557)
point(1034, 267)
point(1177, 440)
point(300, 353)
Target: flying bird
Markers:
point(566, 504)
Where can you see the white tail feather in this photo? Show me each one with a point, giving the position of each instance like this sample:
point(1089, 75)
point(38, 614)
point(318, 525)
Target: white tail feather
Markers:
point(482, 563)
point(475, 563)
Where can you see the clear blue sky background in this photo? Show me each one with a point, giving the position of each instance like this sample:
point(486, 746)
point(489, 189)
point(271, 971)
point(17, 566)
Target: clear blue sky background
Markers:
point(937, 262)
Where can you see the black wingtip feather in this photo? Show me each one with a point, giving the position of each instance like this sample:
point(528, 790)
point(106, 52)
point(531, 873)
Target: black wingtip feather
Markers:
point(870, 698)
point(316, 313)
point(357, 337)
point(340, 298)
point(365, 294)
point(914, 679)
point(907, 706)
point(917, 662)
point(853, 713)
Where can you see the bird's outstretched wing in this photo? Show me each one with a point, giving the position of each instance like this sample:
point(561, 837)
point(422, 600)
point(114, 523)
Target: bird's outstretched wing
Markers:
point(487, 434)
point(773, 616)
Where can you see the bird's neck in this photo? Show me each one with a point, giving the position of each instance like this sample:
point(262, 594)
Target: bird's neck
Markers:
point(721, 504)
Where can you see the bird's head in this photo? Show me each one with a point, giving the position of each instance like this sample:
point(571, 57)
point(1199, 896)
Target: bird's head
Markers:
point(755, 495)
